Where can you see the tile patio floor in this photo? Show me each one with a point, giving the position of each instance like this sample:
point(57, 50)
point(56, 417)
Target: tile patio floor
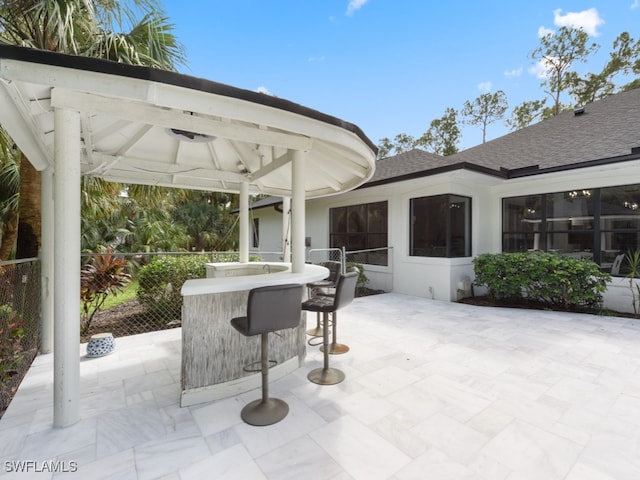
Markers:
point(433, 390)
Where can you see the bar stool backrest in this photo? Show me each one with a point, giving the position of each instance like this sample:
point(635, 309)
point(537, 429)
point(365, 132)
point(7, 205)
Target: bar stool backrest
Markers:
point(272, 308)
point(345, 290)
point(334, 270)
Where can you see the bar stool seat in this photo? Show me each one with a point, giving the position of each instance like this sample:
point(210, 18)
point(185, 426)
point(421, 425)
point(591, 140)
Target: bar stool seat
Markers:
point(345, 292)
point(269, 309)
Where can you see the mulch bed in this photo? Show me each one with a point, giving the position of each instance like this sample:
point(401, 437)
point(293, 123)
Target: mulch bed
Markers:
point(485, 301)
point(128, 318)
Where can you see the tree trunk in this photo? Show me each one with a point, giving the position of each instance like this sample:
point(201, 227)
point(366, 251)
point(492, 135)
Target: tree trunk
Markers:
point(9, 235)
point(29, 226)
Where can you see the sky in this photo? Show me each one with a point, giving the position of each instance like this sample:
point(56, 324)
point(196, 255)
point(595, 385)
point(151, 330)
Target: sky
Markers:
point(388, 66)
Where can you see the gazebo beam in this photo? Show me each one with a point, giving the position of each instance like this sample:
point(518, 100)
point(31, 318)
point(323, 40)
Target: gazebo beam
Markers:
point(162, 117)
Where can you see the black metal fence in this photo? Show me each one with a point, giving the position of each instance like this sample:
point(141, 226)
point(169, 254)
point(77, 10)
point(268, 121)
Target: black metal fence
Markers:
point(19, 323)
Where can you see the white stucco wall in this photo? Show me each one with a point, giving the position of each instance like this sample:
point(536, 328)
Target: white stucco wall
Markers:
point(440, 278)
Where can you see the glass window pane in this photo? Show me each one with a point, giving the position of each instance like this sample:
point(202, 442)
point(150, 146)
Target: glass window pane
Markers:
point(356, 219)
point(522, 214)
point(357, 227)
point(377, 217)
point(429, 226)
point(620, 207)
point(338, 241)
point(570, 210)
point(614, 243)
point(440, 226)
point(459, 226)
point(520, 242)
point(339, 220)
point(577, 244)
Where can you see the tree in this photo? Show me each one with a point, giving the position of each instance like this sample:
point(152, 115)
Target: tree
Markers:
point(9, 195)
point(443, 134)
point(401, 143)
point(486, 109)
point(526, 113)
point(88, 28)
point(557, 53)
point(624, 59)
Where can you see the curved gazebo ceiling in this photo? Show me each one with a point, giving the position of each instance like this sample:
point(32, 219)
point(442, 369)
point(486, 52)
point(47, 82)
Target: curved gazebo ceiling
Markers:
point(140, 125)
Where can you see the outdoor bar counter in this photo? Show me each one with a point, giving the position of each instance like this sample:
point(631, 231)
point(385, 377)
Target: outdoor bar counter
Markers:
point(213, 352)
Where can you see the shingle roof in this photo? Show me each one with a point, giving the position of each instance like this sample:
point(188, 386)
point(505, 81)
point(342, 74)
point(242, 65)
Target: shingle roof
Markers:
point(413, 161)
point(608, 128)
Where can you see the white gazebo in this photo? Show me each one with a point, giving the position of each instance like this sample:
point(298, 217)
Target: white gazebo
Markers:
point(74, 116)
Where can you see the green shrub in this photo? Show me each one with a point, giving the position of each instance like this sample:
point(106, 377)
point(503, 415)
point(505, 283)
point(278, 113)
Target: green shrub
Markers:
point(104, 275)
point(362, 277)
point(161, 280)
point(554, 280)
point(11, 334)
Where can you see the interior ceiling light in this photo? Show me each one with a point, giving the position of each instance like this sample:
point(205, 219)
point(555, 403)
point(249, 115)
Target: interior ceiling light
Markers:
point(187, 136)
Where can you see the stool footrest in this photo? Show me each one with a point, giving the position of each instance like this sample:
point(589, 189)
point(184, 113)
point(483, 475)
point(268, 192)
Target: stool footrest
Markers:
point(336, 348)
point(250, 367)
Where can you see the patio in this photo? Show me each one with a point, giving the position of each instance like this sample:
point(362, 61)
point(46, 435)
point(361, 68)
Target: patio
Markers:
point(433, 390)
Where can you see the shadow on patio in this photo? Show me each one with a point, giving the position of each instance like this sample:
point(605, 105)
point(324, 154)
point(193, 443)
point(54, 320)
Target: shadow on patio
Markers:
point(433, 390)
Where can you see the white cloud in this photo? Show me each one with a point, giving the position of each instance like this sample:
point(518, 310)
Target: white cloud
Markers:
point(485, 87)
point(635, 4)
point(354, 5)
point(544, 31)
point(264, 90)
point(316, 59)
point(516, 72)
point(540, 69)
point(589, 20)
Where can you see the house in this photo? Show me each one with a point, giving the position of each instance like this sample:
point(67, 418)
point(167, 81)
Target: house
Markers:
point(569, 184)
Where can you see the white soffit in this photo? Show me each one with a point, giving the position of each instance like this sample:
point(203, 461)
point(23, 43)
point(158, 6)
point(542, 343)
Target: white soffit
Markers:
point(146, 126)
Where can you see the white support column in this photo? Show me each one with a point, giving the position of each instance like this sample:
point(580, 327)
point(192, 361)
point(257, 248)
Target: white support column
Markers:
point(244, 222)
point(66, 183)
point(286, 229)
point(298, 216)
point(46, 262)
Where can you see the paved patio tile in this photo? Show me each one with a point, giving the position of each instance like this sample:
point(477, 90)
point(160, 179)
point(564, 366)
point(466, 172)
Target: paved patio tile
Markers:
point(432, 390)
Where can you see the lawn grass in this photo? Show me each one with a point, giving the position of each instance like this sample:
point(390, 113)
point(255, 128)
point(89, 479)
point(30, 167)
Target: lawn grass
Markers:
point(129, 293)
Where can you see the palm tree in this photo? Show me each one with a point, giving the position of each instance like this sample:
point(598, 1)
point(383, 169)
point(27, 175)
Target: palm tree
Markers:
point(87, 28)
point(9, 194)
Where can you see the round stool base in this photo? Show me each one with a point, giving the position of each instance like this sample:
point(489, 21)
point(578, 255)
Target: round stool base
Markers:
point(261, 413)
point(315, 332)
point(326, 376)
point(336, 348)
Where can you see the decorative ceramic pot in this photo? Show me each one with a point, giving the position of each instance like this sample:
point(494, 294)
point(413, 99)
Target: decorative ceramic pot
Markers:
point(100, 344)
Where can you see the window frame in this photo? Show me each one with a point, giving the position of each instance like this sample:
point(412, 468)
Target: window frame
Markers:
point(446, 245)
point(602, 229)
point(347, 232)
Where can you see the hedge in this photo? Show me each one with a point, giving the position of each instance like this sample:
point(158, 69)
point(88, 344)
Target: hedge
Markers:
point(548, 279)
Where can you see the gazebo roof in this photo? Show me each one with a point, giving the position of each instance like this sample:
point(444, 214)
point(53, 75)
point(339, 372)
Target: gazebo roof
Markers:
point(147, 126)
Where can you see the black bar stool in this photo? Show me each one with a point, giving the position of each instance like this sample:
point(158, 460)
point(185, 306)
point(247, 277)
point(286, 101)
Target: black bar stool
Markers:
point(345, 292)
point(336, 348)
point(268, 309)
point(329, 283)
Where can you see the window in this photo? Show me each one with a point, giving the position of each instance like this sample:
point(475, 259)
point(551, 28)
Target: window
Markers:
point(441, 226)
point(599, 224)
point(361, 227)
